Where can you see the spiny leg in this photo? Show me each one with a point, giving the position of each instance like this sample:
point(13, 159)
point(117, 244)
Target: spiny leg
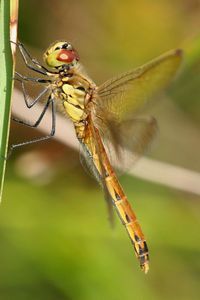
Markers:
point(40, 139)
point(25, 55)
point(24, 51)
point(38, 120)
point(32, 79)
point(29, 105)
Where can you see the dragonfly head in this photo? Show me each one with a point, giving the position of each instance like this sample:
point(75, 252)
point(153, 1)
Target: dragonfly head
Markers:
point(61, 54)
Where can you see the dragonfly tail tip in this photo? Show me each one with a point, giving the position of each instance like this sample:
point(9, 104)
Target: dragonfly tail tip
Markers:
point(145, 268)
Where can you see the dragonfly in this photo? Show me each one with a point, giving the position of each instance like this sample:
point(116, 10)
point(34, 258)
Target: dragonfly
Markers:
point(107, 119)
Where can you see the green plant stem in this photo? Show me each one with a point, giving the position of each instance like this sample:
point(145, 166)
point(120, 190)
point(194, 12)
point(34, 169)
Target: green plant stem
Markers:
point(6, 71)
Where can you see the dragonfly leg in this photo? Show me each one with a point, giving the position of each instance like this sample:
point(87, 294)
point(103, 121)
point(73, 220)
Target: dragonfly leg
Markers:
point(40, 139)
point(38, 120)
point(26, 97)
point(33, 79)
point(35, 66)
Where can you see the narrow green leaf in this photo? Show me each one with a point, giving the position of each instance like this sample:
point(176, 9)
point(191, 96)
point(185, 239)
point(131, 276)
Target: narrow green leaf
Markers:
point(5, 84)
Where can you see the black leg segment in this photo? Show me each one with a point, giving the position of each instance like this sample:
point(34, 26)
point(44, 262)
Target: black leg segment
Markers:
point(40, 139)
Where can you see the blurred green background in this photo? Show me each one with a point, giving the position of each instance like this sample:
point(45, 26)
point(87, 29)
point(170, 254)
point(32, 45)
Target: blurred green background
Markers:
point(56, 242)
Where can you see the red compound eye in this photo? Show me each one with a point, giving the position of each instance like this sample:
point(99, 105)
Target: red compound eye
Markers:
point(67, 56)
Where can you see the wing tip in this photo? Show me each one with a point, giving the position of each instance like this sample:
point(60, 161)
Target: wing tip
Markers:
point(178, 52)
point(173, 53)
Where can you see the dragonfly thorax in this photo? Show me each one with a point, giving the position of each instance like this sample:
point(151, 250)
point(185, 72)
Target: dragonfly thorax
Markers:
point(75, 102)
point(72, 94)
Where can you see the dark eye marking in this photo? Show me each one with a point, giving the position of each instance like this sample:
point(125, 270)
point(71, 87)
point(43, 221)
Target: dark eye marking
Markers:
point(64, 46)
point(57, 48)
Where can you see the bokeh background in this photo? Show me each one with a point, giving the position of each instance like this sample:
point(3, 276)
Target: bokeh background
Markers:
point(55, 238)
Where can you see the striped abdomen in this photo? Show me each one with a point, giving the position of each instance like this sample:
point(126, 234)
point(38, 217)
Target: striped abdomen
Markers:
point(96, 149)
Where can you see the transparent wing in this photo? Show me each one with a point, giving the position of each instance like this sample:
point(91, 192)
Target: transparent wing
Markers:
point(126, 94)
point(127, 141)
point(120, 101)
point(87, 163)
point(87, 153)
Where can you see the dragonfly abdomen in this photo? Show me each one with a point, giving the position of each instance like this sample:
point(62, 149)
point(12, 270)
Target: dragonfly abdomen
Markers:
point(119, 199)
point(129, 220)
